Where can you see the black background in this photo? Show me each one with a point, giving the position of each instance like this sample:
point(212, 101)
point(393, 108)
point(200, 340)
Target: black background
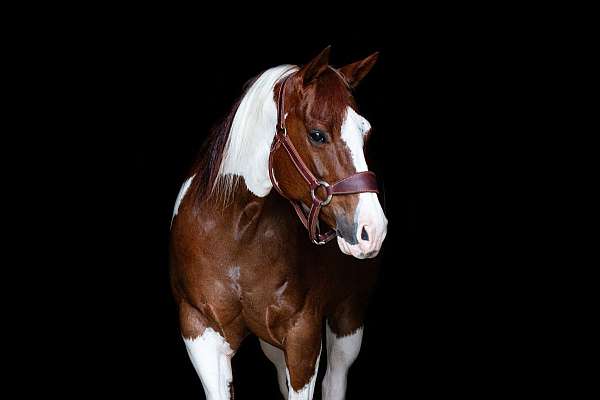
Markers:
point(188, 94)
point(142, 100)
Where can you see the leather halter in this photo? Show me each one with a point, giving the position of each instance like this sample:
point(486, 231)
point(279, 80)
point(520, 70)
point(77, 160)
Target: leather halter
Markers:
point(360, 182)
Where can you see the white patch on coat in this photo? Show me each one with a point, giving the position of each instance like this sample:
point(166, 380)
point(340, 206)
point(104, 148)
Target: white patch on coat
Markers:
point(247, 149)
point(368, 213)
point(182, 191)
point(233, 274)
point(211, 356)
point(341, 353)
point(277, 357)
point(280, 291)
point(306, 393)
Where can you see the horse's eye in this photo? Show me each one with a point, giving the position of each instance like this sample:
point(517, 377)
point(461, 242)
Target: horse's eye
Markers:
point(317, 136)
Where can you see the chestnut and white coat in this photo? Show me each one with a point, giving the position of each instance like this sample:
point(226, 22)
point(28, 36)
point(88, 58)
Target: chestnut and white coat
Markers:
point(241, 261)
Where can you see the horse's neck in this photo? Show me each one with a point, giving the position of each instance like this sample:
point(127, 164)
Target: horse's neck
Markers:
point(246, 153)
point(254, 168)
point(254, 217)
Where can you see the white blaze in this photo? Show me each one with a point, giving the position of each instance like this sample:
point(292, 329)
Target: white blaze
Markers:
point(354, 129)
point(369, 213)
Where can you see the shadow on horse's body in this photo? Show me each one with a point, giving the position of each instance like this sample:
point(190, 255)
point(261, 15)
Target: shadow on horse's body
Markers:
point(246, 266)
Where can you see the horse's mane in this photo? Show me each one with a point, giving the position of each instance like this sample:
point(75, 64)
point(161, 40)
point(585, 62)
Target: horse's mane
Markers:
point(207, 164)
point(209, 181)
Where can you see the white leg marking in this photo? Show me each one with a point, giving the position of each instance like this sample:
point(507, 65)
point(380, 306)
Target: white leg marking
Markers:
point(211, 357)
point(306, 393)
point(278, 358)
point(181, 195)
point(341, 353)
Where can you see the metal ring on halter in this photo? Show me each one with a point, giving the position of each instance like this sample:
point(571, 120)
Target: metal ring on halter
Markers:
point(316, 199)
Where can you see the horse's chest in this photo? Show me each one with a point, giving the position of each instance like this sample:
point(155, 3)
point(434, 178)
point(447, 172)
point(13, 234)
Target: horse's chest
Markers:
point(271, 293)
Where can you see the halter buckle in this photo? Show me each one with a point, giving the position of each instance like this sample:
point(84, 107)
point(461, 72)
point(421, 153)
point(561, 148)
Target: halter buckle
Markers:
point(318, 200)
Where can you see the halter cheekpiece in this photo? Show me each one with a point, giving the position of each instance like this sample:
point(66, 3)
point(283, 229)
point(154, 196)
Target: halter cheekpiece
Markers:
point(361, 182)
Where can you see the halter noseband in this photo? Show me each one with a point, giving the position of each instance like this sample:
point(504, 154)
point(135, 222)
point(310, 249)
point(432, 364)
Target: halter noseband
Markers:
point(360, 182)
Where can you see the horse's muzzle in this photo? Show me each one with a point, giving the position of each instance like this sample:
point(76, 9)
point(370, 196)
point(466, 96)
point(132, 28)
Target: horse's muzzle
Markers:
point(363, 237)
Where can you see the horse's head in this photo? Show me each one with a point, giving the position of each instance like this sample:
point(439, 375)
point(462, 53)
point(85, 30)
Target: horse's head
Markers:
point(329, 134)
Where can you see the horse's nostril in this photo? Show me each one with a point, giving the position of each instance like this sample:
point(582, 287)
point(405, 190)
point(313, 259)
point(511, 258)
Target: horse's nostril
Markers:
point(364, 235)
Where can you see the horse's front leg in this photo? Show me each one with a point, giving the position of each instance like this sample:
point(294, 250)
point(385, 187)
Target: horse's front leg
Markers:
point(342, 350)
point(302, 353)
point(210, 354)
point(277, 357)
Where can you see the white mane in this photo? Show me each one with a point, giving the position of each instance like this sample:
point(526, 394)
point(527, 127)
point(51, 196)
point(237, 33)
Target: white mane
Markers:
point(246, 152)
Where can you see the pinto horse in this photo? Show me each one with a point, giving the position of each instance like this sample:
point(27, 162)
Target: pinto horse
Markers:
point(241, 259)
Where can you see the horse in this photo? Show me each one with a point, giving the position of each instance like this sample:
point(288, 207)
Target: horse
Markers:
point(246, 259)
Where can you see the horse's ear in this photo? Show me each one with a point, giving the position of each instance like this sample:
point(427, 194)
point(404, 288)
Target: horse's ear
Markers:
point(356, 71)
point(316, 66)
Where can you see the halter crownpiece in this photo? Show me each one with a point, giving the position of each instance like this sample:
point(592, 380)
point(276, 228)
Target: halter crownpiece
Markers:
point(361, 182)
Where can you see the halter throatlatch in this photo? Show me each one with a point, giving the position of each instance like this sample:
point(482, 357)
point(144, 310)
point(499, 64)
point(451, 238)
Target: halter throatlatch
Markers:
point(361, 182)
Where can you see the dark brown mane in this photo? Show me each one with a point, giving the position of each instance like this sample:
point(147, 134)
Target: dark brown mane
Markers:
point(206, 166)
